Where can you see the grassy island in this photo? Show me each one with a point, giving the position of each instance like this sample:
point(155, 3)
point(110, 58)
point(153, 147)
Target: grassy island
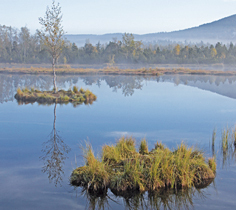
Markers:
point(74, 96)
point(123, 169)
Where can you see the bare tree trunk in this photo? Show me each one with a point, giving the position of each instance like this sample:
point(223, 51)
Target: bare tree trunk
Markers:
point(54, 75)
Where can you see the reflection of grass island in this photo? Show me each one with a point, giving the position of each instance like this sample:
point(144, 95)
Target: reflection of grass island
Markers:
point(123, 169)
point(74, 96)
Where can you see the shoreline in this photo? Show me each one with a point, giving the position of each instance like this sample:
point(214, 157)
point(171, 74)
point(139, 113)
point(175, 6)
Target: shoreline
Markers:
point(115, 71)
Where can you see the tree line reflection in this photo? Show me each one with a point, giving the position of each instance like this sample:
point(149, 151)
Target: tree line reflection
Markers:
point(127, 84)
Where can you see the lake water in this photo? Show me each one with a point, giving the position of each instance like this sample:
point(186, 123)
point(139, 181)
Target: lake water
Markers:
point(35, 167)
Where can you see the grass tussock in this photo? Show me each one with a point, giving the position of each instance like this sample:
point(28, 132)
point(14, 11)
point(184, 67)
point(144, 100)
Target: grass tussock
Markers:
point(74, 96)
point(123, 169)
point(93, 175)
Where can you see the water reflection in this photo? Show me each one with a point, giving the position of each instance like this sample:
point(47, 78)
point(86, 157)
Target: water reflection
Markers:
point(54, 154)
point(228, 156)
point(226, 144)
point(223, 85)
point(163, 199)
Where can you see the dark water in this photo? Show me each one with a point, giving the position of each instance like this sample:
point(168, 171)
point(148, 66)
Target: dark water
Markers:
point(38, 152)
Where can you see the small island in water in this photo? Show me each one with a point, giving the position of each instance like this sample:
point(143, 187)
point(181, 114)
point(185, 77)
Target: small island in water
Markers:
point(122, 169)
point(74, 96)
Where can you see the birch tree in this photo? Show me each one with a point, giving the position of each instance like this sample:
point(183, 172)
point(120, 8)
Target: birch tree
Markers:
point(51, 34)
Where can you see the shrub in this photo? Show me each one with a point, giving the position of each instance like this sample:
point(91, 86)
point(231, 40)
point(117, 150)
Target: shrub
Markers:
point(19, 92)
point(82, 90)
point(75, 89)
point(26, 90)
point(65, 98)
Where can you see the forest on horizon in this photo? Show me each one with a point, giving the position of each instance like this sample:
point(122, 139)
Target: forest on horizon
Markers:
point(20, 46)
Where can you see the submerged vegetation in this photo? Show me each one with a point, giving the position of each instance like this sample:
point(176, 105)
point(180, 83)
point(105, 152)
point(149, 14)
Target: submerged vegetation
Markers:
point(123, 169)
point(74, 96)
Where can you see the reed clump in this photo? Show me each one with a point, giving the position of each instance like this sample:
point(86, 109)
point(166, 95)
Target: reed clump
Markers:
point(74, 96)
point(225, 143)
point(124, 169)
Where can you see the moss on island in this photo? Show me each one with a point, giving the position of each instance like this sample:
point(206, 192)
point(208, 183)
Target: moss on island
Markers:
point(123, 169)
point(74, 96)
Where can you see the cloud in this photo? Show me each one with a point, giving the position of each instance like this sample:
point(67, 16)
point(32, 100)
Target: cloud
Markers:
point(160, 135)
point(126, 133)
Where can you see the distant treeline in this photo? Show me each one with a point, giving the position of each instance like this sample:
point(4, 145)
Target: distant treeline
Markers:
point(19, 46)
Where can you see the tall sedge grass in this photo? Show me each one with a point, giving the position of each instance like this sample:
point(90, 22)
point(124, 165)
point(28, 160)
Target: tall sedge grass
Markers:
point(143, 149)
point(124, 169)
point(93, 175)
point(115, 155)
point(225, 140)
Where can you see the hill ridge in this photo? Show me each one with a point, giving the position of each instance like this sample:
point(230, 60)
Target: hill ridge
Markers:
point(222, 30)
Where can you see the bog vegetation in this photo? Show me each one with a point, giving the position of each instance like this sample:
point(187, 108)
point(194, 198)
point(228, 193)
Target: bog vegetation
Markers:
point(74, 96)
point(67, 69)
point(122, 169)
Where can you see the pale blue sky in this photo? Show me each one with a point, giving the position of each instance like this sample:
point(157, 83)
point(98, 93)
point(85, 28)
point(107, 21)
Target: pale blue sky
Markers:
point(110, 16)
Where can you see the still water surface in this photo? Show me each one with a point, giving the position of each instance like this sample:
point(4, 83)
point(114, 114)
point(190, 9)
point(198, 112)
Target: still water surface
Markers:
point(40, 145)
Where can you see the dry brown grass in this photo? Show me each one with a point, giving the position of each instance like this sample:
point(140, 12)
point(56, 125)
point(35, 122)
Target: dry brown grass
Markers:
point(115, 70)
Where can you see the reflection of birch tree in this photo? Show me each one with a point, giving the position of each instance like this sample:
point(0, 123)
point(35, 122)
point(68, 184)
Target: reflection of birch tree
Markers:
point(55, 152)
